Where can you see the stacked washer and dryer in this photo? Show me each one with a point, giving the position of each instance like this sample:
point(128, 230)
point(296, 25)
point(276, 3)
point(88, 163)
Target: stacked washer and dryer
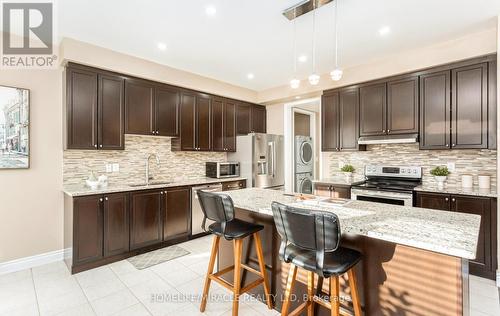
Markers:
point(304, 164)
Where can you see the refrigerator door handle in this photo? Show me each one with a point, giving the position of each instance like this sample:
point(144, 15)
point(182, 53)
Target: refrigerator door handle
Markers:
point(272, 145)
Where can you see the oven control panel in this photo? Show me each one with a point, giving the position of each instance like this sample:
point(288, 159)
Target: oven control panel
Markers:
point(394, 171)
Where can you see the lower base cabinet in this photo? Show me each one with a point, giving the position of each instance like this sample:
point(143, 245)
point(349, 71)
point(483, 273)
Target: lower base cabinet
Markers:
point(486, 257)
point(177, 214)
point(332, 191)
point(146, 227)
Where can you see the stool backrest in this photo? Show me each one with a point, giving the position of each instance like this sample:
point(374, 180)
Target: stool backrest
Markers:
point(307, 229)
point(216, 207)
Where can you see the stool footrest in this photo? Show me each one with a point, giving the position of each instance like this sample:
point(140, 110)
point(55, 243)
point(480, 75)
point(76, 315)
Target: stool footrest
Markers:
point(322, 302)
point(252, 285)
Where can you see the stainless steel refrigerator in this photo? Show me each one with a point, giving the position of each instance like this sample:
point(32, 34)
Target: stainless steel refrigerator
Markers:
point(262, 160)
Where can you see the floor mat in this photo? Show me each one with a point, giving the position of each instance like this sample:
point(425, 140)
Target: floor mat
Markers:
point(152, 258)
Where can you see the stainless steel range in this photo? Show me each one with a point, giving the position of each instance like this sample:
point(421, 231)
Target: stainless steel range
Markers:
point(388, 184)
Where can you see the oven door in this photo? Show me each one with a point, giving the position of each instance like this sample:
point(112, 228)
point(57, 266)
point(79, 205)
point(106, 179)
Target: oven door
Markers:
point(387, 197)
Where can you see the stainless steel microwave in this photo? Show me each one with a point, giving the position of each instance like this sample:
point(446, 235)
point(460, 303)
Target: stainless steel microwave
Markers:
point(222, 169)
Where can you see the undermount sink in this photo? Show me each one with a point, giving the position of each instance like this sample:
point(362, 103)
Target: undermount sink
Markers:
point(150, 183)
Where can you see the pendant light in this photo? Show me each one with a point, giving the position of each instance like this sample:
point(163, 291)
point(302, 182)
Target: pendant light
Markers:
point(337, 73)
point(314, 78)
point(294, 83)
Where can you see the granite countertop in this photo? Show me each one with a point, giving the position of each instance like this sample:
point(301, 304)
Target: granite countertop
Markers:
point(450, 233)
point(340, 180)
point(457, 189)
point(82, 190)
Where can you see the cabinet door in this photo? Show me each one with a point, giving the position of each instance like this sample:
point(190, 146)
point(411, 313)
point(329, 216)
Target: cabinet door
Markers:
point(435, 110)
point(243, 118)
point(87, 229)
point(258, 118)
point(341, 193)
point(373, 107)
point(167, 111)
point(188, 121)
point(139, 107)
point(402, 106)
point(469, 106)
point(145, 219)
point(218, 124)
point(230, 126)
point(330, 122)
point(480, 206)
point(116, 224)
point(322, 190)
point(349, 122)
point(111, 112)
point(203, 122)
point(433, 200)
point(177, 222)
point(81, 113)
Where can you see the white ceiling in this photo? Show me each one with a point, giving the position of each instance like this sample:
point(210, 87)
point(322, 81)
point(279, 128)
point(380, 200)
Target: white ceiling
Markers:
point(253, 37)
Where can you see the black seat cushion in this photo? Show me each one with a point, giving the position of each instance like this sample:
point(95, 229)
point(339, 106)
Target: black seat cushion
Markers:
point(235, 229)
point(336, 262)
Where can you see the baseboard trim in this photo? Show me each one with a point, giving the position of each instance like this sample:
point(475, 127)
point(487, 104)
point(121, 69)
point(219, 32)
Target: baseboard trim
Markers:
point(33, 261)
point(498, 278)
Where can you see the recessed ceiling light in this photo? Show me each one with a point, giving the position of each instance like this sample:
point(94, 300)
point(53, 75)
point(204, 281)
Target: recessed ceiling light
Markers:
point(250, 76)
point(162, 46)
point(384, 30)
point(210, 10)
point(303, 58)
point(297, 97)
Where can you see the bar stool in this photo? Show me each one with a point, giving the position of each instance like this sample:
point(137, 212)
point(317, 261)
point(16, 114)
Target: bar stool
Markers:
point(310, 240)
point(220, 209)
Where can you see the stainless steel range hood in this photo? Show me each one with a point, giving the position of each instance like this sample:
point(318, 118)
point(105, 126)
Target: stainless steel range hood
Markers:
point(388, 139)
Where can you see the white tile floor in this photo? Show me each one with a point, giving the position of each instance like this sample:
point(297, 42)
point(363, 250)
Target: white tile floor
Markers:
point(120, 289)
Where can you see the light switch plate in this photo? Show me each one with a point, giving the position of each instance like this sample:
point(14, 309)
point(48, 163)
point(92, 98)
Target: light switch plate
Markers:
point(116, 167)
point(109, 167)
point(451, 166)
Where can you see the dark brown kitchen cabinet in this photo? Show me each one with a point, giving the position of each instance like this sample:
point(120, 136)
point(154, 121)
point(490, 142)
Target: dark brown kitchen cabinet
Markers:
point(258, 118)
point(167, 102)
point(469, 106)
point(402, 106)
point(339, 120)
point(373, 109)
point(223, 125)
point(486, 257)
point(87, 229)
point(243, 118)
point(195, 121)
point(116, 224)
point(139, 107)
point(146, 226)
point(332, 191)
point(95, 109)
point(435, 110)
point(177, 213)
point(81, 114)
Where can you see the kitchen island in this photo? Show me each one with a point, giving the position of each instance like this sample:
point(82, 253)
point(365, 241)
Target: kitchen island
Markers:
point(415, 261)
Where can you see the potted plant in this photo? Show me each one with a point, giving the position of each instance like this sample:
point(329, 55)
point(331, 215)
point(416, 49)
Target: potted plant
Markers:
point(440, 174)
point(347, 170)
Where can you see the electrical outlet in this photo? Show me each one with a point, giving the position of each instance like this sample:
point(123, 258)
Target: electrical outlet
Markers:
point(109, 167)
point(116, 167)
point(451, 166)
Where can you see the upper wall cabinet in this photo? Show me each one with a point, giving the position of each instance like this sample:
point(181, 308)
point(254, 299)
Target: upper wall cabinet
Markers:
point(373, 109)
point(258, 119)
point(94, 110)
point(243, 114)
point(223, 125)
point(340, 123)
point(167, 103)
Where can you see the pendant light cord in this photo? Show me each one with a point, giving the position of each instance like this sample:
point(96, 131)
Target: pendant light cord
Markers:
point(336, 34)
point(314, 38)
point(294, 47)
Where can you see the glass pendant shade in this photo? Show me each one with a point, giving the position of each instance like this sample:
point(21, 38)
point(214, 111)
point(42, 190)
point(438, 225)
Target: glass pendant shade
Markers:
point(314, 79)
point(336, 74)
point(294, 83)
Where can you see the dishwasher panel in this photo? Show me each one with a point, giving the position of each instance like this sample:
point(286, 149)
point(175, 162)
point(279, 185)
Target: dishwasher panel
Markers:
point(196, 212)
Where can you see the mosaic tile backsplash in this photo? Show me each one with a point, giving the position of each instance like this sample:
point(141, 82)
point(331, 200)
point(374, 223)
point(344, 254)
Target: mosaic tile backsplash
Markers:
point(174, 166)
point(467, 161)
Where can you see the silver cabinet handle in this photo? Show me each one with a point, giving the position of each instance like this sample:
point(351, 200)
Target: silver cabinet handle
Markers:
point(453, 145)
point(453, 200)
point(100, 145)
point(100, 200)
point(447, 145)
point(388, 131)
point(383, 131)
point(446, 199)
point(95, 145)
point(106, 198)
point(161, 192)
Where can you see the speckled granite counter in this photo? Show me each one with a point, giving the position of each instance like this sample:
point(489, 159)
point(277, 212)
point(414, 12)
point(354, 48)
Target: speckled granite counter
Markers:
point(340, 181)
point(449, 233)
point(476, 191)
point(82, 190)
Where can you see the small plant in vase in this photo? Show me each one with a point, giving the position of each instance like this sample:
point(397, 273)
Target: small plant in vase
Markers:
point(440, 174)
point(347, 170)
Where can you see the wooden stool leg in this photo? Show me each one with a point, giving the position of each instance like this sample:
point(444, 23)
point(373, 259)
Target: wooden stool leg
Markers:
point(262, 265)
point(238, 248)
point(319, 292)
point(310, 293)
point(292, 274)
point(334, 295)
point(210, 270)
point(354, 292)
